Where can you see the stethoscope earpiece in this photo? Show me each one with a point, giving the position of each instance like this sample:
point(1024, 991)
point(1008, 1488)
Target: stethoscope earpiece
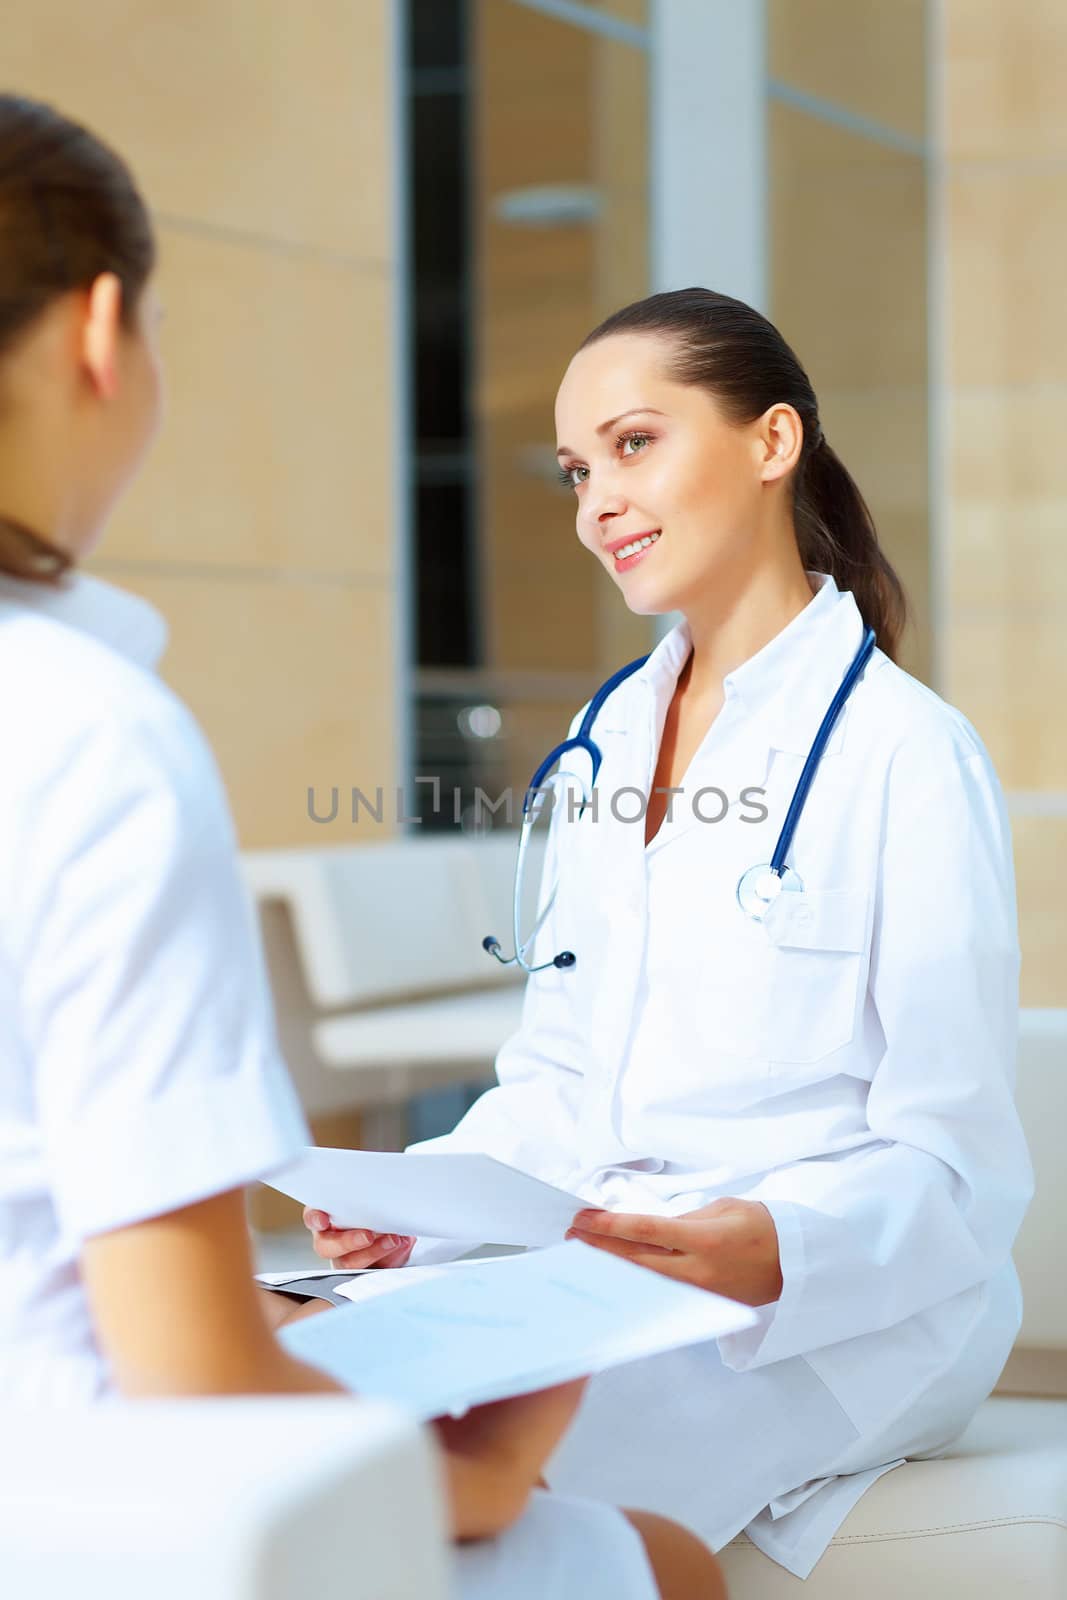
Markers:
point(566, 958)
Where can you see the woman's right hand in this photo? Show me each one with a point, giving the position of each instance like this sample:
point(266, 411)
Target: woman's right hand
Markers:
point(348, 1249)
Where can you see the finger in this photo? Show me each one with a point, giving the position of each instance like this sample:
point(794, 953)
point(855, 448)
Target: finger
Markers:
point(670, 1263)
point(628, 1248)
point(383, 1245)
point(315, 1220)
point(335, 1242)
point(639, 1229)
point(397, 1257)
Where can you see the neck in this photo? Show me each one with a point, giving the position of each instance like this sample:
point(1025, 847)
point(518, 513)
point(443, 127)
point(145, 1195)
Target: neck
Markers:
point(34, 490)
point(738, 621)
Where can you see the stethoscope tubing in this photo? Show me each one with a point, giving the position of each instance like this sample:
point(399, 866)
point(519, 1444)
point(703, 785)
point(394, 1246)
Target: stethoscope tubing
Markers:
point(819, 743)
point(583, 740)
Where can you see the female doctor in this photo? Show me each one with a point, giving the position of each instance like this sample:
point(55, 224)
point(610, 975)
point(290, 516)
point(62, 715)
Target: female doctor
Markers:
point(140, 1085)
point(789, 1081)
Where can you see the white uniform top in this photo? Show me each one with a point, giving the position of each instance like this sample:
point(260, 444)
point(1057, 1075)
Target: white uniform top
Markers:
point(849, 1062)
point(138, 1067)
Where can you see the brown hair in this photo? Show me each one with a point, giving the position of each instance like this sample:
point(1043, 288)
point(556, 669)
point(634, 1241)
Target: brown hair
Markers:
point(727, 348)
point(69, 210)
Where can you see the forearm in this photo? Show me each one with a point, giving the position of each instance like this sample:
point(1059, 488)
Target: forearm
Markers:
point(864, 1244)
point(482, 1500)
point(259, 1368)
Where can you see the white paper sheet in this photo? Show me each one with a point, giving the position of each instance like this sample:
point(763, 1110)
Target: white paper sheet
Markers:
point(446, 1196)
point(450, 1340)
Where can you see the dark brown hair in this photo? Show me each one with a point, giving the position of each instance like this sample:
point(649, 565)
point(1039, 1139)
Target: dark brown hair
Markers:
point(727, 348)
point(69, 210)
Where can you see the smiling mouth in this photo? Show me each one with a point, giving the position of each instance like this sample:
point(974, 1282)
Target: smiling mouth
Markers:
point(628, 555)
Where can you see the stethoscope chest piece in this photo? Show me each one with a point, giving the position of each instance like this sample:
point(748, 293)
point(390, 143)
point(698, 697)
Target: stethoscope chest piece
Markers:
point(760, 887)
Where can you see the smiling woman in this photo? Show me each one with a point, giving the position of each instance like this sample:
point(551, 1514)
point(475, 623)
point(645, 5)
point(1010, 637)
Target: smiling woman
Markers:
point(724, 452)
point(788, 1084)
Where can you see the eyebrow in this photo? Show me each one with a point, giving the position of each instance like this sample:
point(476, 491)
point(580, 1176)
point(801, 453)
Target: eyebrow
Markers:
point(646, 411)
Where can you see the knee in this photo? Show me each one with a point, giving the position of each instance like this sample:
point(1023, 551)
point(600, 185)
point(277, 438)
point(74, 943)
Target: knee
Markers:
point(684, 1567)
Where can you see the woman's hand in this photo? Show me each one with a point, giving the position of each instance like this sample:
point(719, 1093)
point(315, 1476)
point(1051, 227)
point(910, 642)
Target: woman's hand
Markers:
point(348, 1249)
point(494, 1456)
point(729, 1246)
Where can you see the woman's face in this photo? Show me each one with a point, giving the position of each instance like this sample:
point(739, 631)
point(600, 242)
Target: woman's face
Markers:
point(651, 459)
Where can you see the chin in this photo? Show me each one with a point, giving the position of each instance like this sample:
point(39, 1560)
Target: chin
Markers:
point(648, 601)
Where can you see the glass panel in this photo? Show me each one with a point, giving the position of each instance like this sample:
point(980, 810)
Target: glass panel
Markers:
point(446, 624)
point(437, 30)
point(561, 239)
point(440, 265)
point(861, 54)
point(848, 290)
point(635, 11)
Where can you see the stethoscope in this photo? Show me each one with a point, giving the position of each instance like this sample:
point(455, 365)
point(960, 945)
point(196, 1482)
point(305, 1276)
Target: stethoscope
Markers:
point(757, 889)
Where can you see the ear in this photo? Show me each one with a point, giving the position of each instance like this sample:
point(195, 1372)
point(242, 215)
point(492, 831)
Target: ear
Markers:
point(781, 438)
point(100, 335)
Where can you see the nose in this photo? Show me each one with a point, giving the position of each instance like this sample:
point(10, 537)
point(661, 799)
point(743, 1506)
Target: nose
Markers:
point(599, 510)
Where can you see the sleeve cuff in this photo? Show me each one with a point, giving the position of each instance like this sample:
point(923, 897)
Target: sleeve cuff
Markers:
point(209, 1134)
point(770, 1339)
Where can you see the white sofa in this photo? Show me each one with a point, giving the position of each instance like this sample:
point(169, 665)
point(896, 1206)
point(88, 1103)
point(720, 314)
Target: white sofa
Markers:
point(281, 1499)
point(989, 1518)
point(381, 985)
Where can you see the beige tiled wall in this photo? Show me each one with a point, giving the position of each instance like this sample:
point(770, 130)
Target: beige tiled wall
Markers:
point(867, 57)
point(1006, 224)
point(541, 290)
point(263, 526)
point(848, 273)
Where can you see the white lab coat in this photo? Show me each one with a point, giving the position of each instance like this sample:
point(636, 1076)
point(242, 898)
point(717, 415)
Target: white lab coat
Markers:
point(849, 1063)
point(138, 1065)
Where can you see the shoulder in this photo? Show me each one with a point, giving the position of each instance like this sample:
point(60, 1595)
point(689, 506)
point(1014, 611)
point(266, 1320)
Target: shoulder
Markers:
point(930, 762)
point(76, 706)
point(913, 725)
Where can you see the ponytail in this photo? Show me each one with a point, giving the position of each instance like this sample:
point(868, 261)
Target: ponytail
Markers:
point(24, 554)
point(836, 534)
point(736, 355)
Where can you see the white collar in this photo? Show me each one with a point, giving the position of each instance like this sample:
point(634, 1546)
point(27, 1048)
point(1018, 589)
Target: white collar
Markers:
point(788, 684)
point(122, 621)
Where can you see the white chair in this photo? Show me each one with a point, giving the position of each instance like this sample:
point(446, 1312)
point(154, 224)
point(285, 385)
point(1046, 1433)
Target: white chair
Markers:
point(381, 986)
point(221, 1500)
point(989, 1517)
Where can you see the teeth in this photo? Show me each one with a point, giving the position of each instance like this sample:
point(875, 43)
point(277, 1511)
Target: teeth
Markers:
point(638, 544)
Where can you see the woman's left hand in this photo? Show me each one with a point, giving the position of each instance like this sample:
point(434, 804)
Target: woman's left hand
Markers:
point(729, 1246)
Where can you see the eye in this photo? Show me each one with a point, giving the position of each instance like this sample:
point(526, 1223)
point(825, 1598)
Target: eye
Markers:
point(638, 440)
point(567, 476)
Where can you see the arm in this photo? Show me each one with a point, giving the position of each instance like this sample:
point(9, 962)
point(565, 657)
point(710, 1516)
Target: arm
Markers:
point(932, 1206)
point(177, 1312)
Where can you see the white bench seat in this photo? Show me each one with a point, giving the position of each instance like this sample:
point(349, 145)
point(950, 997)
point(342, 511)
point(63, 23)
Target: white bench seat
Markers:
point(381, 986)
point(456, 1030)
point(987, 1520)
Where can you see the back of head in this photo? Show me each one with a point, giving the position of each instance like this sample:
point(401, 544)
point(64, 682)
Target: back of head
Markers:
point(69, 211)
point(739, 357)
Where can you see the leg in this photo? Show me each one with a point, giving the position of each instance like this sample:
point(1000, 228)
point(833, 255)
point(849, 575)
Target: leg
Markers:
point(684, 1568)
point(559, 1549)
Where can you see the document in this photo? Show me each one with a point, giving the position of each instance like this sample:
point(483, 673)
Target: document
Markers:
point(449, 1340)
point(357, 1283)
point(445, 1196)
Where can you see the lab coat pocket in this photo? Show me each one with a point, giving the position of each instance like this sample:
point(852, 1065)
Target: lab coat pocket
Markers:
point(819, 941)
